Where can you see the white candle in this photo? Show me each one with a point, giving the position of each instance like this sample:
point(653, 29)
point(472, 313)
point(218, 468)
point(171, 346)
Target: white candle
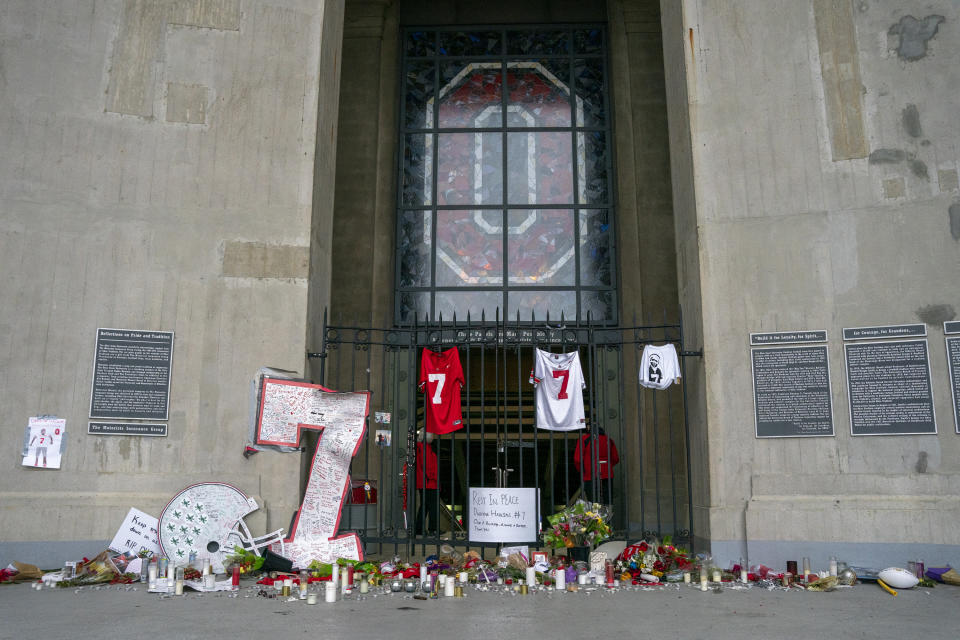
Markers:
point(582, 578)
point(443, 580)
point(335, 577)
point(423, 575)
point(330, 593)
point(703, 580)
point(463, 577)
point(152, 576)
point(345, 587)
point(206, 569)
point(716, 575)
point(209, 581)
point(364, 585)
point(833, 566)
point(178, 588)
point(311, 598)
point(531, 576)
point(561, 577)
point(743, 575)
point(448, 587)
point(686, 577)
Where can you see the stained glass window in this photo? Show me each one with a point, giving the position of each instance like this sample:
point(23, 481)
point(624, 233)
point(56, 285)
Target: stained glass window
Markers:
point(504, 202)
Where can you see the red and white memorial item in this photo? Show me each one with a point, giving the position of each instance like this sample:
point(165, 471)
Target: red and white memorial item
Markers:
point(206, 519)
point(441, 378)
point(287, 408)
point(559, 383)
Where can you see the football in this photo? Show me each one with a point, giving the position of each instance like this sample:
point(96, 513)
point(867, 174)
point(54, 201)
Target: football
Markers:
point(898, 578)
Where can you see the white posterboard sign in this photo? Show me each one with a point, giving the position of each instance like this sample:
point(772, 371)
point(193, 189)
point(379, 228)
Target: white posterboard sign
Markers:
point(43, 445)
point(137, 533)
point(503, 515)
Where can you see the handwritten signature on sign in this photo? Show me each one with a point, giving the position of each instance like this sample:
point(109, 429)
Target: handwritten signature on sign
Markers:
point(289, 408)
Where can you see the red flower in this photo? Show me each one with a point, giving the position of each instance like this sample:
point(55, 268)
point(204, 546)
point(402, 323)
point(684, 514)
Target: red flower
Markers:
point(660, 551)
point(658, 566)
point(643, 547)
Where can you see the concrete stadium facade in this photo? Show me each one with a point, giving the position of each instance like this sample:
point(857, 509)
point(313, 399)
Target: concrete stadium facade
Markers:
point(226, 170)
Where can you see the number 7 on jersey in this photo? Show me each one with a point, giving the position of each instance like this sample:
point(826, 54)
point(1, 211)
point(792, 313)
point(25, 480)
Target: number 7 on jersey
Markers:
point(440, 379)
point(565, 374)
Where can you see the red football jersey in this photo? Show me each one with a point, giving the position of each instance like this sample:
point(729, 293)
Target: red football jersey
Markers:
point(441, 378)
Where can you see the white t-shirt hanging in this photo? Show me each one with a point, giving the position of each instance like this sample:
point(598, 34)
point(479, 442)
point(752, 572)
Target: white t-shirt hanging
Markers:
point(659, 366)
point(559, 384)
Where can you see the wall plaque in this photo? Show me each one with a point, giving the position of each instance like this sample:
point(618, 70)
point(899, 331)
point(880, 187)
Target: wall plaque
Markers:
point(126, 429)
point(888, 385)
point(953, 362)
point(131, 374)
point(791, 392)
point(887, 331)
point(787, 337)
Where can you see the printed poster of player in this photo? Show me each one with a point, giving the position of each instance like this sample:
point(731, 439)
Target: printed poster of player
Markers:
point(44, 442)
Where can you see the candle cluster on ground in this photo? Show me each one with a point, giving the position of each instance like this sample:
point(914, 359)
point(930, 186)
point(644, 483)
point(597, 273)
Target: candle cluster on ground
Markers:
point(451, 574)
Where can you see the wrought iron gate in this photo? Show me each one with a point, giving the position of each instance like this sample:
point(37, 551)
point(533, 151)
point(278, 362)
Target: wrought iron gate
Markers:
point(498, 445)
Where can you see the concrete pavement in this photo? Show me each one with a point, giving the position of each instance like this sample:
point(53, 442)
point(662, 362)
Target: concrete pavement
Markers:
point(863, 611)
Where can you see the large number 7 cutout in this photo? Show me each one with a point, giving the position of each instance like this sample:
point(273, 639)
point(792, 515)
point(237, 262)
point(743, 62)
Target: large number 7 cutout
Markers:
point(289, 408)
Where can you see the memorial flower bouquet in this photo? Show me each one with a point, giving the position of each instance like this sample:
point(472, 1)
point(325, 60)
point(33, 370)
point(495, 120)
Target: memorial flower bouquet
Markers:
point(653, 558)
point(248, 561)
point(583, 524)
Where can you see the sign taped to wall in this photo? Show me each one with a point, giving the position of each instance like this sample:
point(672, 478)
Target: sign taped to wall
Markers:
point(43, 445)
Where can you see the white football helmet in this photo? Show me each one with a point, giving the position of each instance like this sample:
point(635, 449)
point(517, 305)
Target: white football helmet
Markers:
point(206, 519)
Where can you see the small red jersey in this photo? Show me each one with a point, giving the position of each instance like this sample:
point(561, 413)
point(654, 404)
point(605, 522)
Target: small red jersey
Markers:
point(606, 453)
point(427, 468)
point(441, 378)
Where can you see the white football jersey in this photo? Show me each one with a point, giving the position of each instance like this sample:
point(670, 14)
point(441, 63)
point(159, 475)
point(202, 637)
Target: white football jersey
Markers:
point(659, 366)
point(559, 384)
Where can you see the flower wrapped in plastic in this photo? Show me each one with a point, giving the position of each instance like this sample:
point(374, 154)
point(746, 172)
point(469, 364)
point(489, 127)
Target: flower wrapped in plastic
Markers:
point(583, 524)
point(653, 558)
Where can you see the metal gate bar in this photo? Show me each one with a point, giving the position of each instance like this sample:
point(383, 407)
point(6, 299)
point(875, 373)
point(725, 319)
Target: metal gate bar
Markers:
point(499, 429)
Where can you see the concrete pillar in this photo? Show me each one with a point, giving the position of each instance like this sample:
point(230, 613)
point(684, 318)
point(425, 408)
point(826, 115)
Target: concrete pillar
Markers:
point(159, 175)
point(814, 148)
